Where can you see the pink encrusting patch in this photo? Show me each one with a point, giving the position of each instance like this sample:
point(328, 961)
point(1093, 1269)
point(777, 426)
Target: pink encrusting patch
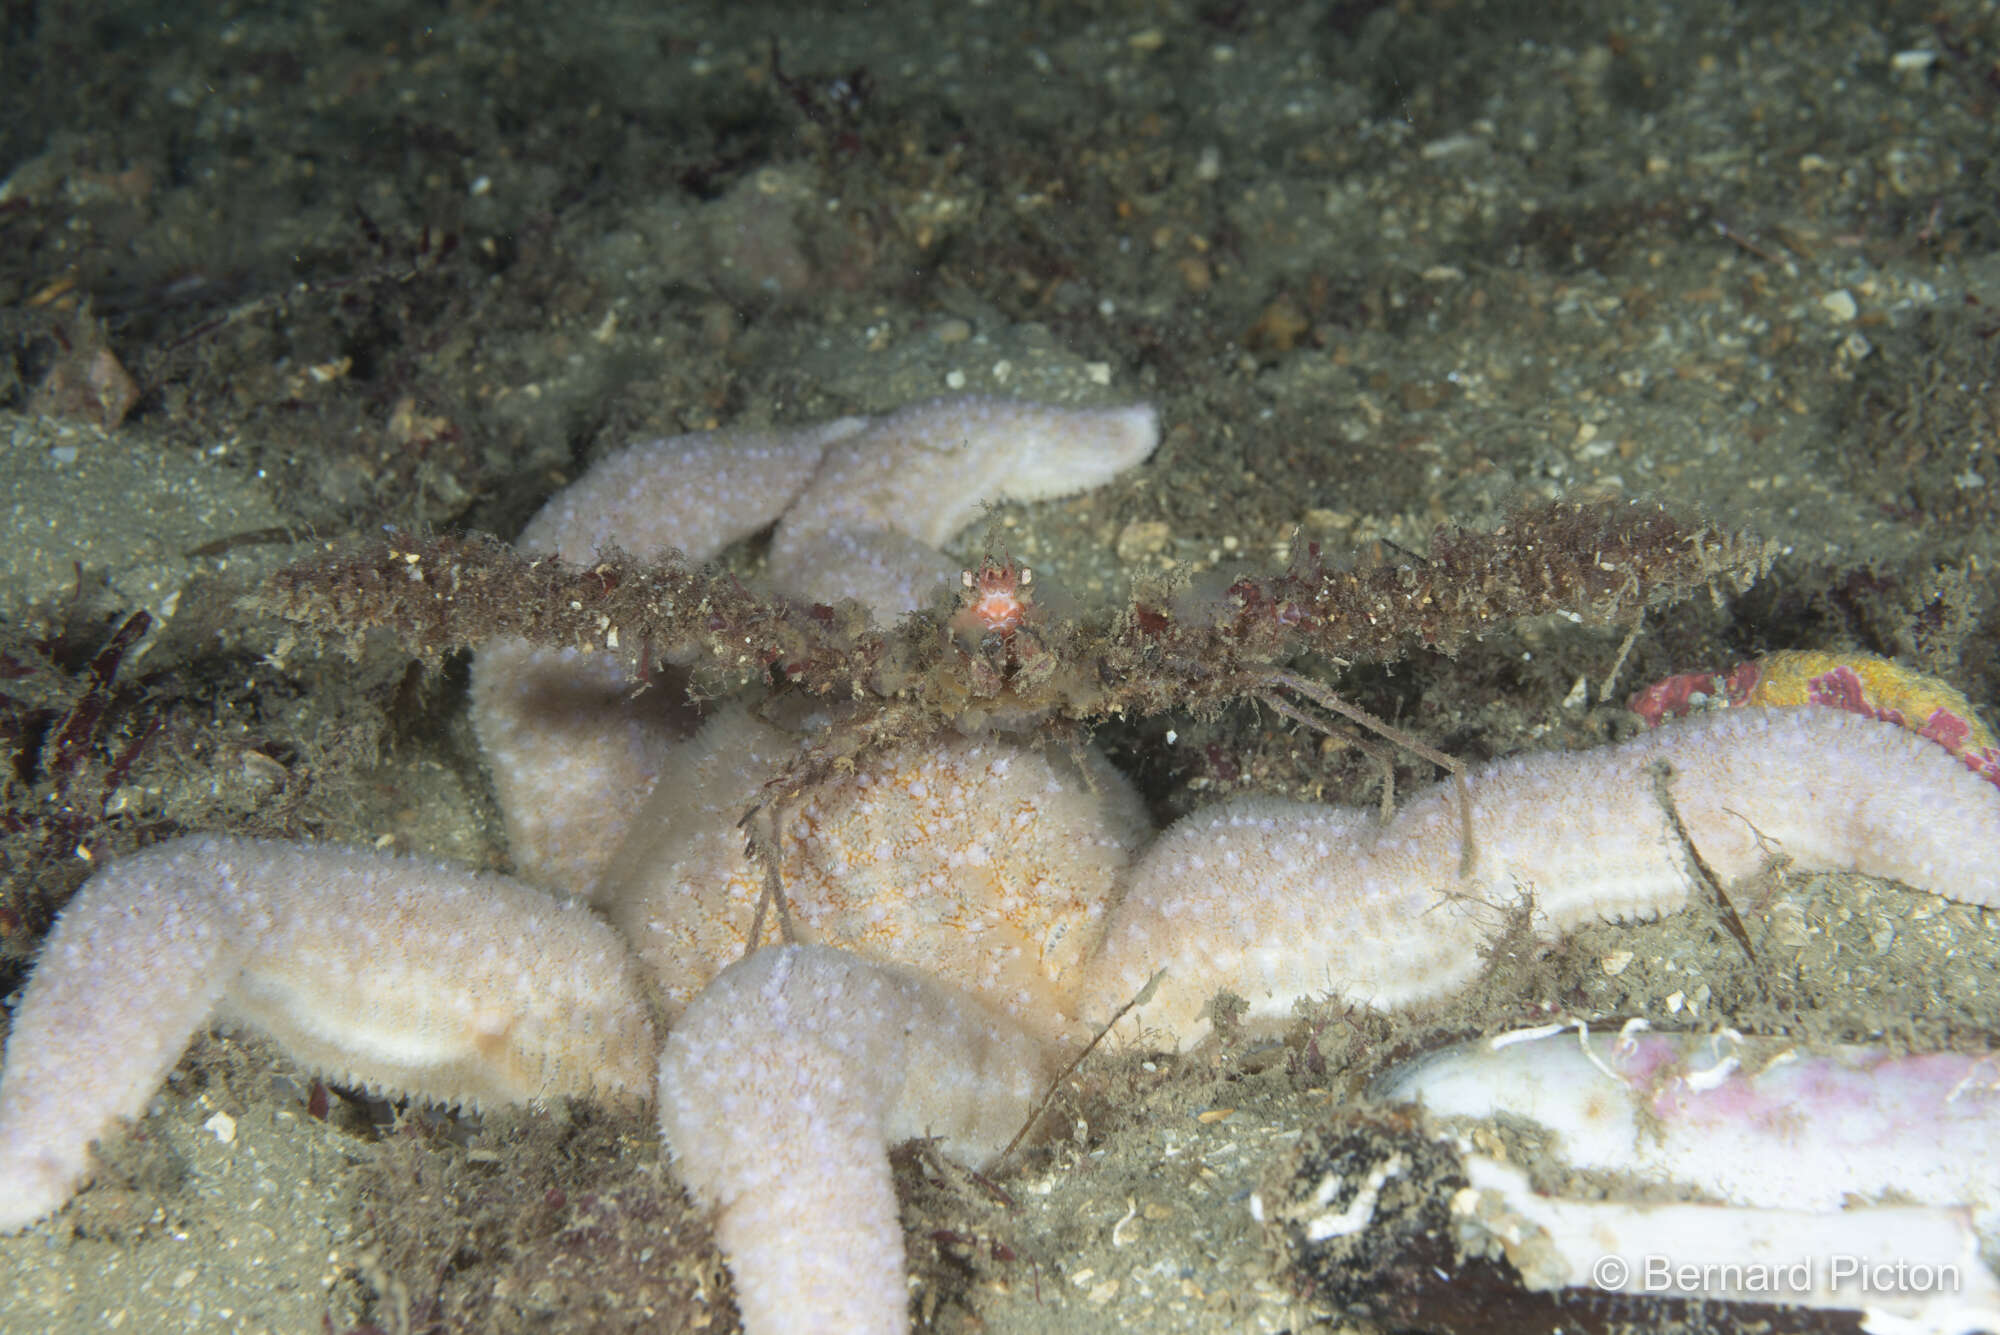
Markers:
point(1684, 692)
point(1855, 683)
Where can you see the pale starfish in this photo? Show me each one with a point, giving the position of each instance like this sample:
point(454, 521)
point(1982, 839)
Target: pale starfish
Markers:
point(574, 754)
point(859, 504)
point(831, 1057)
point(819, 1061)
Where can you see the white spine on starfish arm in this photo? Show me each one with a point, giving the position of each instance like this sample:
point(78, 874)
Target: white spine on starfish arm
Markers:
point(781, 1089)
point(1274, 901)
point(385, 971)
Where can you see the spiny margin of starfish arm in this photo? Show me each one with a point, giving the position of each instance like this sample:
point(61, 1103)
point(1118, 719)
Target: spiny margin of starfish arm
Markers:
point(393, 972)
point(781, 1089)
point(1277, 901)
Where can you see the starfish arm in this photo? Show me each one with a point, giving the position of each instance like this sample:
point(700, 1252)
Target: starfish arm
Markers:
point(574, 747)
point(101, 1023)
point(388, 971)
point(694, 494)
point(924, 471)
point(572, 743)
point(1277, 901)
point(781, 1089)
point(884, 569)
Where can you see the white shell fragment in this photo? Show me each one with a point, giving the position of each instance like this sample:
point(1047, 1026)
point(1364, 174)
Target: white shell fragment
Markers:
point(1724, 1167)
